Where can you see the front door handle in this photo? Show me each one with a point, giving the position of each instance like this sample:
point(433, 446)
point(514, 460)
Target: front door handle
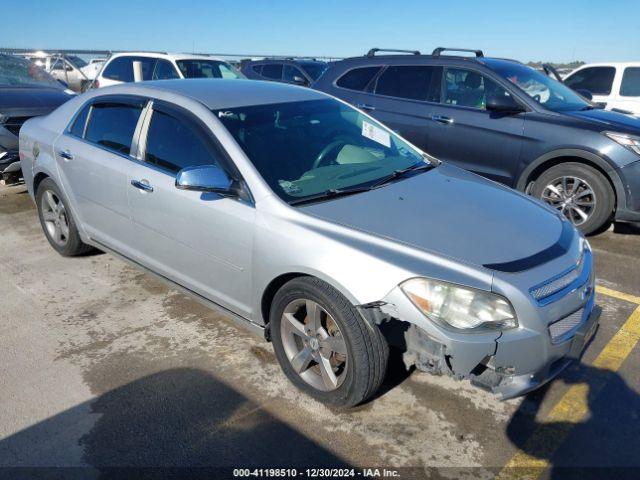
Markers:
point(365, 106)
point(142, 185)
point(442, 119)
point(66, 154)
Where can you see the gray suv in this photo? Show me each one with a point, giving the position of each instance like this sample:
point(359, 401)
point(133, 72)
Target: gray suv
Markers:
point(505, 121)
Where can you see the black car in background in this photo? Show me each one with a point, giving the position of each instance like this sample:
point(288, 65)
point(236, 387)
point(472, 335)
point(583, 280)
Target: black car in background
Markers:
point(26, 91)
point(503, 120)
point(298, 72)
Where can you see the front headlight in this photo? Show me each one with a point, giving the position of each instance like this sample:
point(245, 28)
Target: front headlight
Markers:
point(630, 142)
point(460, 307)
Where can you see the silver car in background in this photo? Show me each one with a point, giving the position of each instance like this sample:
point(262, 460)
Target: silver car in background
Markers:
point(319, 228)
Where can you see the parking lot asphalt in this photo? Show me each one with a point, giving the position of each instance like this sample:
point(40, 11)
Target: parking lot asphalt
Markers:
point(102, 365)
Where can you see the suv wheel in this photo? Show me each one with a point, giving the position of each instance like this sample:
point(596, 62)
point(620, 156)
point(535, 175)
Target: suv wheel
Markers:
point(56, 220)
point(323, 344)
point(580, 192)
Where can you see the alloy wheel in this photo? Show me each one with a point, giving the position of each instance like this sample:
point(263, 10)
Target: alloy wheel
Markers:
point(55, 218)
point(314, 344)
point(572, 196)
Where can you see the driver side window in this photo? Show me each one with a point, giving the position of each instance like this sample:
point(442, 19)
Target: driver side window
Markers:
point(467, 88)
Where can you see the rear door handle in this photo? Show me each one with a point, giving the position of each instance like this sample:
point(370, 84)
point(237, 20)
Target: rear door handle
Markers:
point(142, 185)
point(66, 154)
point(365, 106)
point(442, 119)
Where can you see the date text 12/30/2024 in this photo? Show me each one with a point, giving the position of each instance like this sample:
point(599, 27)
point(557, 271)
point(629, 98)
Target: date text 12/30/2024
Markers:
point(316, 472)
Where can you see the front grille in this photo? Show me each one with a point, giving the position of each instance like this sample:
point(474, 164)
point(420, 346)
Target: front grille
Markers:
point(13, 124)
point(565, 328)
point(544, 290)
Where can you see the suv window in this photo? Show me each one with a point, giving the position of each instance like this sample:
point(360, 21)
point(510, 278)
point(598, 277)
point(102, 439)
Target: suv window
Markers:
point(257, 69)
point(413, 82)
point(164, 70)
point(121, 68)
point(272, 70)
point(112, 125)
point(597, 80)
point(81, 120)
point(358, 78)
point(173, 144)
point(291, 71)
point(630, 82)
point(467, 88)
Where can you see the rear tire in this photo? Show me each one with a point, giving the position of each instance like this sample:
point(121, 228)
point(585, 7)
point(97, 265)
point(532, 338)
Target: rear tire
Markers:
point(580, 192)
point(57, 222)
point(354, 350)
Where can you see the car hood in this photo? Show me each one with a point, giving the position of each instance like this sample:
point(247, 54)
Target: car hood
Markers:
point(455, 214)
point(30, 101)
point(609, 120)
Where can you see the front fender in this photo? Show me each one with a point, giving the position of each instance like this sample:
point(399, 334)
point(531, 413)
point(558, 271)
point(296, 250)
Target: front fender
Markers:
point(588, 157)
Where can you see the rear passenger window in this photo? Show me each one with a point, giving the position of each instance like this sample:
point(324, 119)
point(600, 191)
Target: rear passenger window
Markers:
point(111, 125)
point(630, 82)
point(257, 69)
point(173, 144)
point(358, 78)
point(272, 70)
point(597, 80)
point(78, 125)
point(121, 68)
point(413, 82)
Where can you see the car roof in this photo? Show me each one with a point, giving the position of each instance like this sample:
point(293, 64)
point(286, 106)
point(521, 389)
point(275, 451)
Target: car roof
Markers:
point(225, 93)
point(166, 55)
point(608, 64)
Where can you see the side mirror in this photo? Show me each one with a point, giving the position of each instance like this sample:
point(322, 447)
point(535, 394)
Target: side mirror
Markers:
point(299, 80)
point(503, 104)
point(585, 93)
point(205, 178)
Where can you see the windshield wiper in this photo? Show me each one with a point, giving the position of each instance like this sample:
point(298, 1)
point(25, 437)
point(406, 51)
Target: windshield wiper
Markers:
point(399, 173)
point(331, 193)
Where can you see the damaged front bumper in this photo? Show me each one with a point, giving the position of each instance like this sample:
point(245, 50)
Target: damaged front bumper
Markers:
point(509, 363)
point(10, 166)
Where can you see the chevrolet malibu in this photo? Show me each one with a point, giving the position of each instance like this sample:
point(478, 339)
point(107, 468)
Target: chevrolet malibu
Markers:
point(319, 228)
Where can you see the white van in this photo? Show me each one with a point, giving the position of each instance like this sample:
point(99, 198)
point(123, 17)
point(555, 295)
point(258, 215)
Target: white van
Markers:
point(162, 66)
point(614, 84)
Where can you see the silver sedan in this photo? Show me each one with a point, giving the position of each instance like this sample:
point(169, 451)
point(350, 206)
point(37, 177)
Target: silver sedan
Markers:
point(317, 227)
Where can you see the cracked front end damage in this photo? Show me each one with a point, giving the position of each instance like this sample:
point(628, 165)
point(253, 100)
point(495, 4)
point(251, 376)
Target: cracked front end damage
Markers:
point(508, 363)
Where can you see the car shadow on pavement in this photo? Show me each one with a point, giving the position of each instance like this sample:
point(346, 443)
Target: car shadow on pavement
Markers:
point(604, 445)
point(177, 422)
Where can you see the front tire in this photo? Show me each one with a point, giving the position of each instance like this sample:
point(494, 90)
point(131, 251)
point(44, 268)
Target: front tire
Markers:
point(323, 344)
point(57, 222)
point(580, 193)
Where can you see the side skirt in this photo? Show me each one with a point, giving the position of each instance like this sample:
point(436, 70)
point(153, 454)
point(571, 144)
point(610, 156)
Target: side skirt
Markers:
point(248, 325)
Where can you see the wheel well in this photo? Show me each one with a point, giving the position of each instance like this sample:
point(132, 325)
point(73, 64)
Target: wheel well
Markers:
point(552, 162)
point(271, 290)
point(37, 180)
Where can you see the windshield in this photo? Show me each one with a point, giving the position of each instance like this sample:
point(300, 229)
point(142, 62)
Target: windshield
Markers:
point(544, 90)
point(314, 69)
point(77, 61)
point(302, 149)
point(207, 69)
point(16, 71)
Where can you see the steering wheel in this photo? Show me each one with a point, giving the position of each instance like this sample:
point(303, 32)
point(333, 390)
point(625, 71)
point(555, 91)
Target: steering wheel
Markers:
point(326, 150)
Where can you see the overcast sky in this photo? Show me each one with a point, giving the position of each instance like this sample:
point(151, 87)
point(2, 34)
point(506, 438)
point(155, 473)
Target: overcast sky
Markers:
point(551, 30)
